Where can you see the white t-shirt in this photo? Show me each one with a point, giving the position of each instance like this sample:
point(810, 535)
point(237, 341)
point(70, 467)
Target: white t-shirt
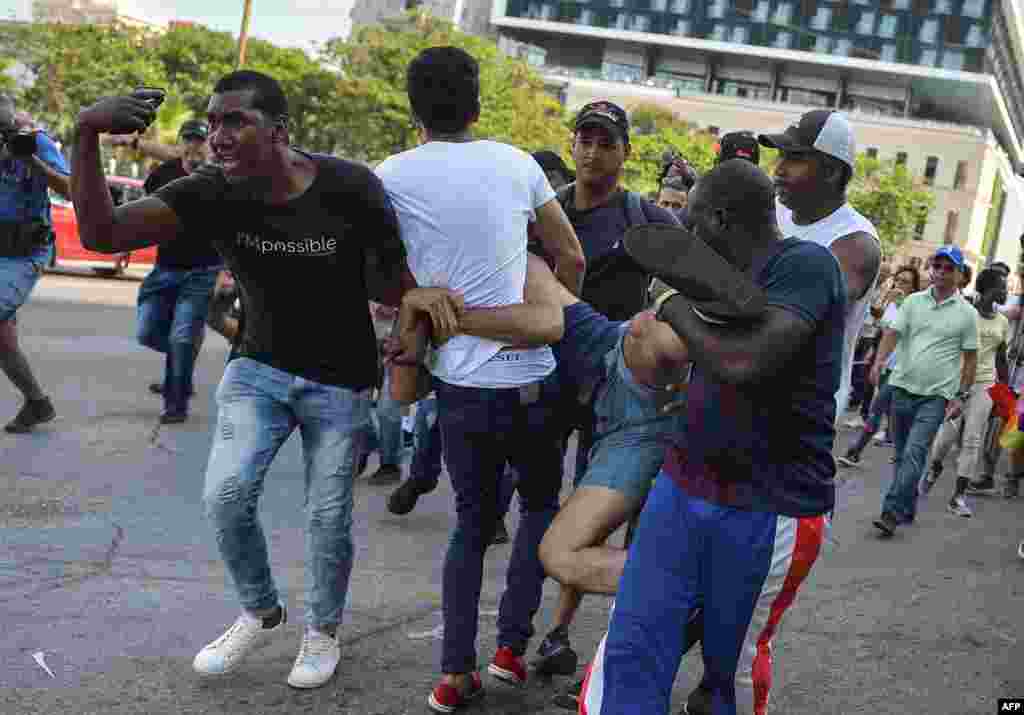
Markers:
point(463, 209)
point(888, 319)
point(840, 223)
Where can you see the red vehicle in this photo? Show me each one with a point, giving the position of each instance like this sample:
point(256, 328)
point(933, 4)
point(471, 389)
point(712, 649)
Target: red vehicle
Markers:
point(71, 254)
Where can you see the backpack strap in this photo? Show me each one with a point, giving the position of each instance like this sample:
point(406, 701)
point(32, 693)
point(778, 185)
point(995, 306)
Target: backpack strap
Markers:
point(635, 213)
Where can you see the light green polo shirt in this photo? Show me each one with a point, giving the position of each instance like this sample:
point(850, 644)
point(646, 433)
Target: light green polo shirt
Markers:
point(932, 339)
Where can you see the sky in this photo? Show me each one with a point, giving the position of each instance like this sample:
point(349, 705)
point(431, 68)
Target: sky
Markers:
point(295, 23)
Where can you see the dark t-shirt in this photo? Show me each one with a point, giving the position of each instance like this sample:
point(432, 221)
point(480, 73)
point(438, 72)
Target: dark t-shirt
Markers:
point(179, 255)
point(600, 231)
point(301, 267)
point(768, 447)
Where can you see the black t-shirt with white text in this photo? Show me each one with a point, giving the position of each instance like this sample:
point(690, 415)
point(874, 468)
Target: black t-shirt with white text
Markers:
point(179, 255)
point(301, 266)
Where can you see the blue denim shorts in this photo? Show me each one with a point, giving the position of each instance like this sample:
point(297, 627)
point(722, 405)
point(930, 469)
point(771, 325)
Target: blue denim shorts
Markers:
point(18, 276)
point(631, 433)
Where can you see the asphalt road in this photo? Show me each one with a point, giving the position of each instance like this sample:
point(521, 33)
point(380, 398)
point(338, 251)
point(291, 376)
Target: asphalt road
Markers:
point(109, 570)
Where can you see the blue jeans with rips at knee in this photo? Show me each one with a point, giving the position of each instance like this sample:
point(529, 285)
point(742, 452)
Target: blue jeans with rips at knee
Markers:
point(259, 407)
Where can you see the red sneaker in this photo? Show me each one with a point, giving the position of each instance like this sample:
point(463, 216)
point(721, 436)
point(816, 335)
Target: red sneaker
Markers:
point(447, 699)
point(508, 667)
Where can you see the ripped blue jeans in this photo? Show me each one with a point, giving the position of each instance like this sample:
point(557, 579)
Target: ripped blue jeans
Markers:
point(259, 407)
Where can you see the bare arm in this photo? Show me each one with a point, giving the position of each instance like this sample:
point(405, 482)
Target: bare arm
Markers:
point(859, 256)
point(739, 355)
point(968, 369)
point(558, 238)
point(61, 183)
point(1002, 364)
point(218, 315)
point(889, 339)
point(163, 152)
point(653, 352)
point(103, 228)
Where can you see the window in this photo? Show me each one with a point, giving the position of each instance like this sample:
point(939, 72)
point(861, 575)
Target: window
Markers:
point(682, 28)
point(952, 59)
point(641, 23)
point(931, 168)
point(901, 158)
point(621, 21)
point(680, 7)
point(975, 36)
point(719, 32)
point(942, 7)
point(783, 40)
point(762, 11)
point(822, 18)
point(960, 178)
point(887, 26)
point(929, 32)
point(843, 47)
point(872, 152)
point(928, 58)
point(783, 14)
point(973, 8)
point(823, 44)
point(952, 221)
point(717, 9)
point(586, 17)
point(866, 24)
point(659, 5)
point(888, 52)
point(919, 229)
point(740, 35)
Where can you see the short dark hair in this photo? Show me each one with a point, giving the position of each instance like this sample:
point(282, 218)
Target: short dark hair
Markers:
point(987, 280)
point(268, 97)
point(966, 273)
point(443, 84)
point(742, 189)
point(999, 265)
point(914, 274)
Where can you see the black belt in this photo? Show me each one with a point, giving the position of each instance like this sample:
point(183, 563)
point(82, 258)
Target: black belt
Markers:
point(19, 240)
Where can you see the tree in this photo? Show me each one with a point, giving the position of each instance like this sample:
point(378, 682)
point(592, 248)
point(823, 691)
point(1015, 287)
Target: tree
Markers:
point(372, 105)
point(644, 165)
point(887, 194)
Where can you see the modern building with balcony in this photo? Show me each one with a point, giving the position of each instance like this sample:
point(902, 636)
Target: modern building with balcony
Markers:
point(933, 84)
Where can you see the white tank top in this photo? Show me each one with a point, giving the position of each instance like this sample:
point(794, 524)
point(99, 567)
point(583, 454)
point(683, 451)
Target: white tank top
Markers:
point(840, 223)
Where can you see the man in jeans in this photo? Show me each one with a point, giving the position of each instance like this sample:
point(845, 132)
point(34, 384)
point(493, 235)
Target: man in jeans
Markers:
point(464, 206)
point(936, 334)
point(302, 234)
point(174, 297)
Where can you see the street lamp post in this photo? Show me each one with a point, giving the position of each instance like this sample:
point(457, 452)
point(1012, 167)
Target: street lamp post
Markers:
point(243, 35)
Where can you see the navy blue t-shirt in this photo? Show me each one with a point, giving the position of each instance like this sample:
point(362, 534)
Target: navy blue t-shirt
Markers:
point(768, 446)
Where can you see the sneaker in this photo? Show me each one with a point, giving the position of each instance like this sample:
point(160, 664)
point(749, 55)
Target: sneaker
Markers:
point(924, 486)
point(986, 486)
point(173, 417)
point(555, 656)
point(248, 634)
point(157, 388)
point(958, 507)
point(886, 523)
point(850, 459)
point(386, 474)
point(318, 658)
point(881, 436)
point(698, 703)
point(32, 413)
point(856, 423)
point(500, 534)
point(403, 500)
point(569, 699)
point(447, 699)
point(508, 667)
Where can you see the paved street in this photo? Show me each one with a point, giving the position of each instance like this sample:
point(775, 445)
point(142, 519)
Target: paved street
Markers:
point(108, 569)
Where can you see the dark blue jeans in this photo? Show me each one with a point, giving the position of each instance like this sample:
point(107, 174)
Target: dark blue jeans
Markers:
point(915, 420)
point(172, 309)
point(483, 430)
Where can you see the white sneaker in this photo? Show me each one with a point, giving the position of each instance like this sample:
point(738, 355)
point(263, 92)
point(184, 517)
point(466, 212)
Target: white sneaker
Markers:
point(880, 436)
point(856, 423)
point(317, 660)
point(227, 652)
point(958, 507)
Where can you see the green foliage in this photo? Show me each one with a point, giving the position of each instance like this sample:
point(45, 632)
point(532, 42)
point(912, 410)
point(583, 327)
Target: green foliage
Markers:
point(373, 108)
point(644, 164)
point(887, 194)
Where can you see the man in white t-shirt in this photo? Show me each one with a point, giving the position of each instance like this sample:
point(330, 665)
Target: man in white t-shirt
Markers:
point(463, 208)
point(816, 165)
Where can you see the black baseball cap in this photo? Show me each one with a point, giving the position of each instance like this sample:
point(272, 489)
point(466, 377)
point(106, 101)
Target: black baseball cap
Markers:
point(739, 145)
point(194, 129)
point(604, 114)
point(822, 130)
point(550, 161)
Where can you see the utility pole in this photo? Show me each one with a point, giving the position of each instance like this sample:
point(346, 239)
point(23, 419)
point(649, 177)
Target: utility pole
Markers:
point(243, 35)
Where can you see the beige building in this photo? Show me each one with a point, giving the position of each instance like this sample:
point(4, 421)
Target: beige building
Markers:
point(99, 12)
point(472, 16)
point(935, 84)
